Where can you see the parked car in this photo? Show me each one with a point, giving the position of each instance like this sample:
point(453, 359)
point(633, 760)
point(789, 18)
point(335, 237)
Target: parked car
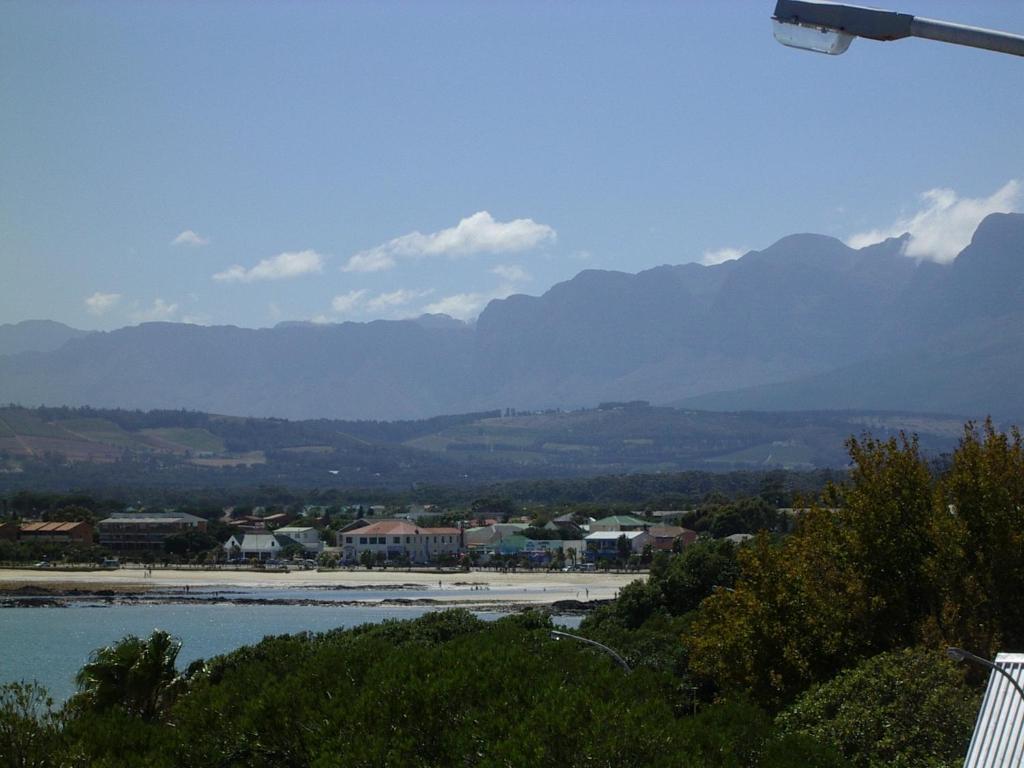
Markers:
point(42, 564)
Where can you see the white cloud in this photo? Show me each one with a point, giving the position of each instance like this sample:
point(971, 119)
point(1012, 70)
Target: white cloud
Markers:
point(159, 311)
point(280, 267)
point(463, 306)
point(466, 306)
point(720, 255)
point(100, 303)
point(369, 261)
point(398, 298)
point(946, 223)
point(478, 233)
point(348, 302)
point(188, 237)
point(360, 301)
point(512, 273)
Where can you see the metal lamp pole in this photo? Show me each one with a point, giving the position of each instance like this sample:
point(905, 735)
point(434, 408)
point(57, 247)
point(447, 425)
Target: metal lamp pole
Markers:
point(959, 654)
point(557, 635)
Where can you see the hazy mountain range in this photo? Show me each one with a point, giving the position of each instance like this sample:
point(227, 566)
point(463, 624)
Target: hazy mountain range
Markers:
point(807, 323)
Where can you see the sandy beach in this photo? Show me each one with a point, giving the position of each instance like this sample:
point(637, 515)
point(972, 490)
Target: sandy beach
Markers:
point(475, 587)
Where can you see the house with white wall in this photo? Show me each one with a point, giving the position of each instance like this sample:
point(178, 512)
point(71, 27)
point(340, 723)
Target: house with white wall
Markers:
point(308, 537)
point(254, 546)
point(605, 544)
point(400, 539)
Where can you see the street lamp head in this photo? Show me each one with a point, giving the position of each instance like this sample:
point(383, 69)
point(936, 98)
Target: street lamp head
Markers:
point(808, 37)
point(956, 654)
point(825, 27)
point(959, 654)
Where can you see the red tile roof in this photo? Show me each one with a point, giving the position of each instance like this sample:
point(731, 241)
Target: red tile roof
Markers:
point(50, 527)
point(402, 528)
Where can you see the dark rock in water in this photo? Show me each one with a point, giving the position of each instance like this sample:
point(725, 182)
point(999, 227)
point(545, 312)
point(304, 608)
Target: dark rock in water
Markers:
point(576, 606)
point(32, 602)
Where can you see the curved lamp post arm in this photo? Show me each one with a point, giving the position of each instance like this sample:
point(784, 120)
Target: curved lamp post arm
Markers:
point(557, 635)
point(959, 654)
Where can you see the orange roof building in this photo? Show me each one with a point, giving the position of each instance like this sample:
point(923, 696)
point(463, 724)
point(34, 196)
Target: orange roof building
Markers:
point(80, 532)
point(399, 539)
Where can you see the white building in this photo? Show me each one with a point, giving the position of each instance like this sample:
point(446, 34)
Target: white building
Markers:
point(399, 539)
point(605, 544)
point(308, 537)
point(998, 738)
point(490, 535)
point(253, 546)
point(618, 523)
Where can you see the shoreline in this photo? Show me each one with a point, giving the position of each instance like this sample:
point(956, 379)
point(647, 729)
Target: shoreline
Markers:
point(477, 590)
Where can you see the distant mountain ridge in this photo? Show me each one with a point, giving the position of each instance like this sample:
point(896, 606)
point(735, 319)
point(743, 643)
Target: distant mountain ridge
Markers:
point(36, 336)
point(806, 323)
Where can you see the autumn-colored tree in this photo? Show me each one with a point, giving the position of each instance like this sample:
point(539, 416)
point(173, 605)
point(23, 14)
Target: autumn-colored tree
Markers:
point(851, 582)
point(978, 564)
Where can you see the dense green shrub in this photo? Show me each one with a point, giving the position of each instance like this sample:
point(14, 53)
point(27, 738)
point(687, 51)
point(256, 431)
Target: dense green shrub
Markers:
point(903, 709)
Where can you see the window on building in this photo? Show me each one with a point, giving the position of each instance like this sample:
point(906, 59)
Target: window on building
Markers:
point(348, 539)
point(362, 539)
point(396, 539)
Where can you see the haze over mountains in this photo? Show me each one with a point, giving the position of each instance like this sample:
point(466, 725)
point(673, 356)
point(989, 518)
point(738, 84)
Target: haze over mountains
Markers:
point(807, 323)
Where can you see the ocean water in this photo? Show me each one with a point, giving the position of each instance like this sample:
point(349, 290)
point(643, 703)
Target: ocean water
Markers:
point(50, 645)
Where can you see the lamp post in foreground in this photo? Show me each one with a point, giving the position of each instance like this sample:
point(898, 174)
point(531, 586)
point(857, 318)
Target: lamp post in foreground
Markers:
point(556, 635)
point(959, 654)
point(830, 28)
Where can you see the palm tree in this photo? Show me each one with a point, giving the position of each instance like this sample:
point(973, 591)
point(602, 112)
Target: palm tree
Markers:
point(135, 674)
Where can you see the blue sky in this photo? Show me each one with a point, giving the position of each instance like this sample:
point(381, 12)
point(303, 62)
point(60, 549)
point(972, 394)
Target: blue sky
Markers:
point(247, 163)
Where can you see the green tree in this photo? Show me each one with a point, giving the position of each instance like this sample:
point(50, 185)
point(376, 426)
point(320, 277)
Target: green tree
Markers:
point(29, 726)
point(903, 709)
point(689, 577)
point(978, 532)
point(291, 551)
point(622, 548)
point(745, 516)
point(189, 543)
point(845, 585)
point(135, 675)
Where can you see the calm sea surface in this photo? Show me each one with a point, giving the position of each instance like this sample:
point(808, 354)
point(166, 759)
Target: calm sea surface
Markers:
point(51, 644)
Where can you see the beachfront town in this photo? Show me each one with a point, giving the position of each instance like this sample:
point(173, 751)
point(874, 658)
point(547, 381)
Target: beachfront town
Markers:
point(359, 536)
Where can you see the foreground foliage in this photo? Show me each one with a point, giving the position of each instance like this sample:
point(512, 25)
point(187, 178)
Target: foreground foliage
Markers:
point(820, 648)
point(908, 558)
point(900, 709)
point(135, 675)
point(447, 689)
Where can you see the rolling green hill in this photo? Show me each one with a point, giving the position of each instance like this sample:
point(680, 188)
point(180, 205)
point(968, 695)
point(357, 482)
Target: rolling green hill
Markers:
point(187, 449)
